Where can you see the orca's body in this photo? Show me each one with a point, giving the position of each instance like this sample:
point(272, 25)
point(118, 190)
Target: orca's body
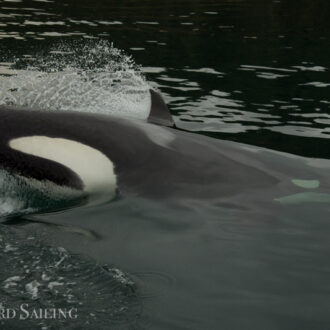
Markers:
point(98, 153)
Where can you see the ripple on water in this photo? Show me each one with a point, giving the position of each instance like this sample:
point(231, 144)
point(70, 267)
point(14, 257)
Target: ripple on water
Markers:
point(51, 277)
point(155, 284)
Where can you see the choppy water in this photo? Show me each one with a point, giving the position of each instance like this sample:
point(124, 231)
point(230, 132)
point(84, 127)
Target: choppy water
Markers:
point(256, 72)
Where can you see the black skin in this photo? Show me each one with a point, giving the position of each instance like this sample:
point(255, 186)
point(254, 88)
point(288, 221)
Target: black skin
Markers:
point(191, 166)
point(43, 169)
point(187, 165)
point(159, 113)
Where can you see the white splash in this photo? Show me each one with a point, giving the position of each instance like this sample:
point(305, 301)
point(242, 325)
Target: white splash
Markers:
point(32, 289)
point(20, 195)
point(96, 78)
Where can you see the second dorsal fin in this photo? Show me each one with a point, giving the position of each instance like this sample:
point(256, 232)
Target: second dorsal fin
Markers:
point(159, 113)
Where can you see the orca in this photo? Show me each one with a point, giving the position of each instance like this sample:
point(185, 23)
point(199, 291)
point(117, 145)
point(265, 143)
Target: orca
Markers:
point(99, 154)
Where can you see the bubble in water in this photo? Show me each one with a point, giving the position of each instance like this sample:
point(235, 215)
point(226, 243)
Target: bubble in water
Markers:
point(19, 195)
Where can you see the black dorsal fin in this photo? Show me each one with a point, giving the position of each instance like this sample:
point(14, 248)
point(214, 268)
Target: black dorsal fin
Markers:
point(159, 113)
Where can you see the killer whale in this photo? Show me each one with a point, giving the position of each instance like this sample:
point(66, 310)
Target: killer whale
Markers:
point(108, 155)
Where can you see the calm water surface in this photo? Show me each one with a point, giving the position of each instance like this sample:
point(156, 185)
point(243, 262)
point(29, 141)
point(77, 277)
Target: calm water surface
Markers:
point(255, 72)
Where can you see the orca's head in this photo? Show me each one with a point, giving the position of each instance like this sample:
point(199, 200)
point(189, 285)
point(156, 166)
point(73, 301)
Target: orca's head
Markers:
point(42, 145)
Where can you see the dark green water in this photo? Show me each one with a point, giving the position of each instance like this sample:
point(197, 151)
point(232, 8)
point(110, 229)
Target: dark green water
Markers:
point(255, 72)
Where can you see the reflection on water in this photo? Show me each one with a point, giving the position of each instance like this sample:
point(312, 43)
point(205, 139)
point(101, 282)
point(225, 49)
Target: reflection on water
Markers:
point(233, 69)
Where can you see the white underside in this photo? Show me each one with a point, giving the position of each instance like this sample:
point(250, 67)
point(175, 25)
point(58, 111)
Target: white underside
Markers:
point(94, 169)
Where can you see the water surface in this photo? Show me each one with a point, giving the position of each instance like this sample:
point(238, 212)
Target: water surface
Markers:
point(255, 72)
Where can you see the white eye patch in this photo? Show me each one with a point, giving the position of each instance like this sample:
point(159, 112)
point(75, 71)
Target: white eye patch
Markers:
point(95, 170)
